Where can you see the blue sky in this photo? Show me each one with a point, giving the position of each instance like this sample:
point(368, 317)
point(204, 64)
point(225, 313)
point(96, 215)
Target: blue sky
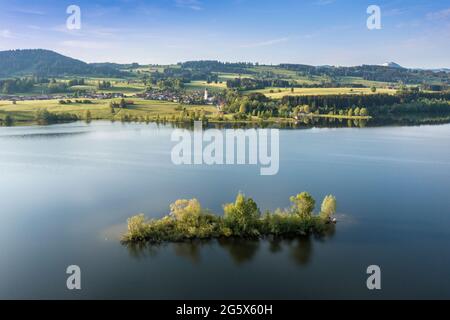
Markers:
point(415, 33)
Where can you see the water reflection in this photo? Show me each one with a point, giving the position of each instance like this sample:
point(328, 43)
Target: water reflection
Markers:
point(308, 122)
point(301, 251)
point(240, 251)
point(190, 250)
point(298, 249)
point(141, 250)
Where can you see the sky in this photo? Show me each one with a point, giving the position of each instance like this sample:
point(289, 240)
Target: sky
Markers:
point(414, 33)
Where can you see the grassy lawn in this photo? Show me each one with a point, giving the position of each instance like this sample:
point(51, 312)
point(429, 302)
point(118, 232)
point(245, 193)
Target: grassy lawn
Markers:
point(231, 76)
point(316, 91)
point(24, 111)
point(202, 85)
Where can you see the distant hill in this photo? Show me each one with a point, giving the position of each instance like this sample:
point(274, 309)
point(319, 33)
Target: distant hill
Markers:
point(46, 63)
point(392, 65)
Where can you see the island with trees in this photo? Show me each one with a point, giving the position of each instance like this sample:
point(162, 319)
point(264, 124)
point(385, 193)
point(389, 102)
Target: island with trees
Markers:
point(242, 219)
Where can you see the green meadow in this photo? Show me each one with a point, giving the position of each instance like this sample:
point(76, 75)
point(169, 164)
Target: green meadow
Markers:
point(278, 93)
point(24, 112)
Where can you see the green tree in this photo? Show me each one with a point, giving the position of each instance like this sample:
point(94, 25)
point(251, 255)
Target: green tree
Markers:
point(184, 210)
point(350, 112)
point(242, 216)
point(244, 107)
point(328, 207)
point(306, 109)
point(9, 120)
point(303, 204)
point(363, 112)
point(88, 116)
point(373, 89)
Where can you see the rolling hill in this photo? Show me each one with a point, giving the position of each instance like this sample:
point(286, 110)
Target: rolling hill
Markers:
point(46, 63)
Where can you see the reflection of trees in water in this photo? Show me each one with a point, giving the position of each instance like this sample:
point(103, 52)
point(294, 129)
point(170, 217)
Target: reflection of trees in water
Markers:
point(190, 250)
point(275, 245)
point(300, 249)
point(141, 250)
point(241, 251)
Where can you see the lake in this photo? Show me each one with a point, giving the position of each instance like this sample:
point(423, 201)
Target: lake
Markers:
point(67, 190)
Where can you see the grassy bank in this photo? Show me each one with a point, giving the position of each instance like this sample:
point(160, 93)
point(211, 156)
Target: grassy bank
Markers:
point(188, 221)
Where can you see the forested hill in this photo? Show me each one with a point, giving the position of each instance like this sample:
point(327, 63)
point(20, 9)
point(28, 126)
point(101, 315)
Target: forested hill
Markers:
point(45, 63)
point(391, 73)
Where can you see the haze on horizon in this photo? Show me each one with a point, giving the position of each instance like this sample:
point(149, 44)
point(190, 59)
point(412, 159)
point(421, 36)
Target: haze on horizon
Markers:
point(415, 33)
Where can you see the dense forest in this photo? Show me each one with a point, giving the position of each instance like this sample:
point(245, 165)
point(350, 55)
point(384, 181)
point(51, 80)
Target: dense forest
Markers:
point(375, 103)
point(217, 66)
point(410, 102)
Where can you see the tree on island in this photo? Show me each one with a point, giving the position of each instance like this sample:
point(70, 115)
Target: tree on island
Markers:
point(303, 204)
point(242, 216)
point(328, 207)
point(242, 219)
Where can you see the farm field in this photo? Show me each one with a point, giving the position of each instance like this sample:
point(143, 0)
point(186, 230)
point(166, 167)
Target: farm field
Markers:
point(24, 111)
point(202, 85)
point(278, 93)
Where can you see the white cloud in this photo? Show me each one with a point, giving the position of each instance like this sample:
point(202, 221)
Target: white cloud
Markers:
point(323, 2)
point(265, 43)
point(5, 33)
point(28, 11)
point(190, 4)
point(443, 14)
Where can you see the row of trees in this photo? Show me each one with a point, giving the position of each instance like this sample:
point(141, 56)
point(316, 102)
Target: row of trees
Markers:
point(376, 103)
point(17, 85)
point(244, 84)
point(26, 85)
point(76, 82)
point(104, 85)
point(44, 117)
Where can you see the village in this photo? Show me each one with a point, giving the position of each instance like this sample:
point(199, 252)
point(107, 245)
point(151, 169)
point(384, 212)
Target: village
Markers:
point(196, 97)
point(180, 96)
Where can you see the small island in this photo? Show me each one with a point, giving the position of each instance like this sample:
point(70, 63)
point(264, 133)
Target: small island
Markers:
point(188, 221)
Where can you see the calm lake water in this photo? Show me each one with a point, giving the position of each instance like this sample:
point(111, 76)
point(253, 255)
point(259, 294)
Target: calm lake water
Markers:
point(67, 190)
